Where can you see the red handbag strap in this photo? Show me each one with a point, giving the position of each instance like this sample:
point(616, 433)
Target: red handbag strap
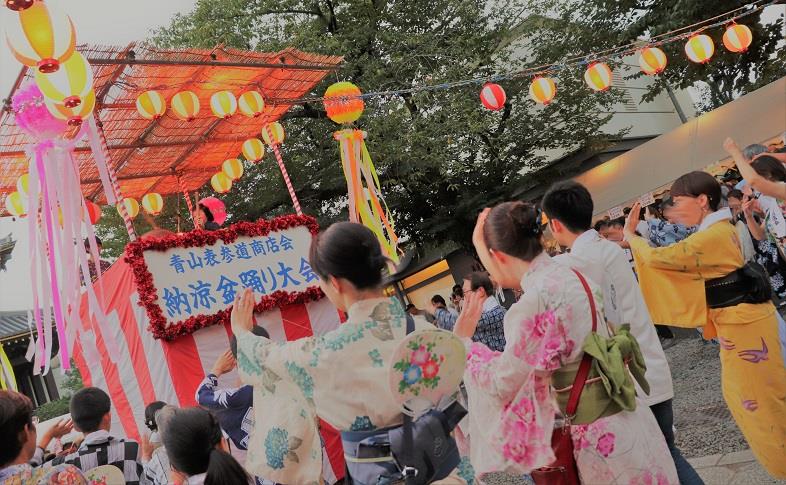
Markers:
point(586, 360)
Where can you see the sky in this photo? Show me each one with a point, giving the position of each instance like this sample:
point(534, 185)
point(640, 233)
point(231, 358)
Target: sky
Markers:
point(108, 22)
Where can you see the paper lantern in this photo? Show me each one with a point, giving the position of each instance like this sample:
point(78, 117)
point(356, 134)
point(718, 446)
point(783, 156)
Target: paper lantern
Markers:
point(652, 61)
point(16, 204)
point(73, 116)
point(131, 205)
point(251, 104)
point(598, 76)
point(23, 184)
point(185, 105)
point(542, 90)
point(221, 183)
point(700, 48)
point(151, 105)
point(232, 168)
point(153, 203)
point(737, 38)
point(253, 149)
point(69, 84)
point(223, 104)
point(493, 96)
point(42, 37)
point(343, 102)
point(17, 5)
point(93, 211)
point(273, 133)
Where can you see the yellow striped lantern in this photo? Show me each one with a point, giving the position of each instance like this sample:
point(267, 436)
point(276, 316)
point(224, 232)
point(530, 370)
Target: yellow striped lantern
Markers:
point(232, 168)
point(23, 184)
point(153, 203)
point(185, 105)
point(737, 38)
point(598, 76)
point(542, 90)
point(17, 5)
point(273, 134)
point(43, 37)
point(343, 102)
point(221, 183)
point(151, 105)
point(700, 48)
point(69, 84)
point(253, 149)
point(131, 205)
point(16, 204)
point(223, 104)
point(251, 104)
point(74, 116)
point(652, 61)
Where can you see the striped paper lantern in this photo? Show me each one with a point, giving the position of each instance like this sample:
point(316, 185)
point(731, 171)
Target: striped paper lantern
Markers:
point(493, 97)
point(16, 204)
point(23, 184)
point(151, 105)
point(253, 149)
point(273, 134)
point(598, 76)
point(232, 168)
point(343, 103)
point(223, 104)
point(251, 104)
point(737, 38)
point(221, 183)
point(185, 105)
point(153, 203)
point(700, 48)
point(42, 37)
point(652, 61)
point(131, 206)
point(69, 84)
point(542, 90)
point(74, 116)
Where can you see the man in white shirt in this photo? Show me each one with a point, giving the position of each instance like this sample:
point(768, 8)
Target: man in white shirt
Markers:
point(569, 207)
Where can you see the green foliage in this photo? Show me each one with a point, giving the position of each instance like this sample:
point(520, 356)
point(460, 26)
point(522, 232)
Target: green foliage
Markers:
point(72, 381)
point(53, 409)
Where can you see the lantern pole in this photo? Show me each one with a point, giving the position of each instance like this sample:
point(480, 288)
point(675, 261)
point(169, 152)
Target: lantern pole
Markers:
point(283, 169)
point(121, 207)
point(188, 199)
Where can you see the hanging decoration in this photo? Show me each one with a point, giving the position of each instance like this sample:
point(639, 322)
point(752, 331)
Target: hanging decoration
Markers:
point(17, 5)
point(493, 97)
point(737, 38)
point(652, 61)
point(73, 116)
point(23, 184)
point(72, 82)
point(93, 211)
point(16, 204)
point(42, 37)
point(130, 205)
point(253, 150)
point(232, 168)
point(185, 105)
point(598, 76)
point(273, 134)
point(153, 203)
point(7, 377)
point(251, 104)
point(151, 105)
point(223, 104)
point(700, 48)
point(343, 102)
point(221, 183)
point(542, 90)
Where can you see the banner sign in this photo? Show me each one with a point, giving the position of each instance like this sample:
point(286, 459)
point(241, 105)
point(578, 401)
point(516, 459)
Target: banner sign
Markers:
point(647, 199)
point(189, 281)
point(615, 213)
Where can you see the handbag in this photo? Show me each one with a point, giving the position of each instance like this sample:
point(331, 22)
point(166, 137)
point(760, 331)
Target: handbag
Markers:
point(563, 471)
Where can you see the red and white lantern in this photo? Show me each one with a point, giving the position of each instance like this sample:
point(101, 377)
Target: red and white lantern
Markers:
point(493, 97)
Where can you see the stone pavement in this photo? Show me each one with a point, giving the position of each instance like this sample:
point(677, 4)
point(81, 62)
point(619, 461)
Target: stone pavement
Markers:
point(738, 468)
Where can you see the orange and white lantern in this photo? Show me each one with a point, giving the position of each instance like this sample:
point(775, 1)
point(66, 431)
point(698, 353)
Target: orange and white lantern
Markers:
point(221, 183)
point(598, 76)
point(273, 134)
point(253, 149)
point(69, 84)
point(223, 104)
point(131, 205)
point(251, 104)
point(542, 90)
point(232, 168)
point(16, 204)
point(42, 37)
point(153, 203)
point(700, 48)
point(652, 61)
point(151, 105)
point(737, 38)
point(185, 105)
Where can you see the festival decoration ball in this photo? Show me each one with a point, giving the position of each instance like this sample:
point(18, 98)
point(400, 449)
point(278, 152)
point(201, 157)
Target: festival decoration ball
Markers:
point(273, 133)
point(42, 37)
point(69, 84)
point(251, 104)
point(598, 76)
point(153, 203)
point(185, 105)
point(221, 183)
point(493, 97)
point(700, 48)
point(73, 116)
point(33, 116)
point(253, 149)
point(93, 211)
point(17, 5)
point(23, 184)
point(737, 38)
point(151, 105)
point(232, 168)
point(542, 90)
point(343, 102)
point(16, 204)
point(131, 205)
point(652, 61)
point(223, 104)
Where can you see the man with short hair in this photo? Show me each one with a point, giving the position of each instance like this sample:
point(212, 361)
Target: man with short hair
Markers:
point(91, 412)
point(569, 207)
point(491, 327)
point(444, 319)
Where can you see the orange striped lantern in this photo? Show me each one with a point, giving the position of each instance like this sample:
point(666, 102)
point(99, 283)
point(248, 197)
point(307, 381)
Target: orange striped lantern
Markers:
point(151, 105)
point(221, 183)
point(223, 104)
point(493, 96)
point(131, 205)
point(185, 105)
point(17, 5)
point(74, 116)
point(700, 48)
point(153, 203)
point(43, 37)
point(652, 61)
point(737, 38)
point(93, 211)
point(251, 104)
point(273, 133)
point(23, 184)
point(16, 204)
point(542, 90)
point(598, 76)
point(253, 149)
point(232, 168)
point(343, 102)
point(69, 84)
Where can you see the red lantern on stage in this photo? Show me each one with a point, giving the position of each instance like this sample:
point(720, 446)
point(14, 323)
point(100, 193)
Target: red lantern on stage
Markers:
point(493, 97)
point(737, 38)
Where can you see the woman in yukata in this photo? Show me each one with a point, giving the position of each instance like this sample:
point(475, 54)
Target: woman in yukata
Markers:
point(512, 407)
point(700, 281)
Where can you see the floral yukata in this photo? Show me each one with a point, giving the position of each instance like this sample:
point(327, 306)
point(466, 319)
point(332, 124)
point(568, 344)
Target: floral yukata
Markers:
point(54, 475)
point(341, 376)
point(512, 409)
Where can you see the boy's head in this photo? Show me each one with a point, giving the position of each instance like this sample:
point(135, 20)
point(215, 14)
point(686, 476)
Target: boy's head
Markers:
point(569, 206)
point(90, 410)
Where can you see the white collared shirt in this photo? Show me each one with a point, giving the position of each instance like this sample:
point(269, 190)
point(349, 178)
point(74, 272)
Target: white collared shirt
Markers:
point(715, 217)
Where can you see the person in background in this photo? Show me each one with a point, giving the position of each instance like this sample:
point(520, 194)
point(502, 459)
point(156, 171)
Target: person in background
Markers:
point(90, 409)
point(444, 318)
point(155, 459)
point(413, 310)
point(150, 422)
point(211, 213)
point(758, 182)
point(734, 200)
point(197, 450)
point(456, 298)
point(490, 329)
point(664, 230)
point(103, 264)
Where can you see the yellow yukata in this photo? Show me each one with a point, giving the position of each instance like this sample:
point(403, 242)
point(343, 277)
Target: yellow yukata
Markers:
point(752, 365)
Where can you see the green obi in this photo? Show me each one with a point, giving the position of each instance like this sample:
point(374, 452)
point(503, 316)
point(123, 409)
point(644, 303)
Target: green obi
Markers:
point(609, 389)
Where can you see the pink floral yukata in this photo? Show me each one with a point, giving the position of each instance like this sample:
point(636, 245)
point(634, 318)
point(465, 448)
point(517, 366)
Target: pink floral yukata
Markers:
point(512, 411)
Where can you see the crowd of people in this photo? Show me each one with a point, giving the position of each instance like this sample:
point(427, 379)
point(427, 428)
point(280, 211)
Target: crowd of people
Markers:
point(583, 332)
